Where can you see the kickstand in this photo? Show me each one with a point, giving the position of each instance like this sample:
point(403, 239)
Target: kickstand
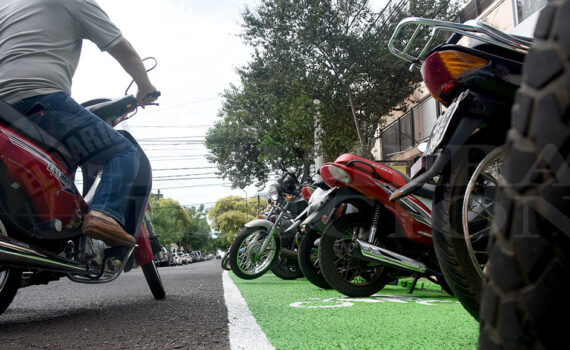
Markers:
point(413, 286)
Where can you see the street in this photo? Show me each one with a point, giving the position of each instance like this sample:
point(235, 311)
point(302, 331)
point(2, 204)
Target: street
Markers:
point(122, 314)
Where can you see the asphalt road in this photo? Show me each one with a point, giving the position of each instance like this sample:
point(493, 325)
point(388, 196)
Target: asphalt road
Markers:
point(122, 314)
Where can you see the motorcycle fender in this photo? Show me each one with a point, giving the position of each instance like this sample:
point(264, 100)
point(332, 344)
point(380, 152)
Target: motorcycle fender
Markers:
point(451, 132)
point(143, 251)
point(259, 222)
point(320, 217)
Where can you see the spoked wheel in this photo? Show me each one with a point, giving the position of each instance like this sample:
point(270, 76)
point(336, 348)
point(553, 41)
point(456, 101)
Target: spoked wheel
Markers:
point(348, 275)
point(462, 217)
point(153, 279)
point(308, 260)
point(247, 260)
point(9, 280)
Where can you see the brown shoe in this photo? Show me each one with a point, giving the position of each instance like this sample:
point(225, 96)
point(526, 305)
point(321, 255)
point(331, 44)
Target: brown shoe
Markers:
point(106, 230)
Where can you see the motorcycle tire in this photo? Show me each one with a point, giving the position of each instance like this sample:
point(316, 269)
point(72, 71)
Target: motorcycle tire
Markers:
point(226, 262)
point(365, 279)
point(309, 262)
point(153, 279)
point(455, 255)
point(524, 298)
point(9, 283)
point(246, 262)
point(285, 269)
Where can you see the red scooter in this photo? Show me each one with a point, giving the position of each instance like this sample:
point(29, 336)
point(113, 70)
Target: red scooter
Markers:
point(369, 240)
point(41, 210)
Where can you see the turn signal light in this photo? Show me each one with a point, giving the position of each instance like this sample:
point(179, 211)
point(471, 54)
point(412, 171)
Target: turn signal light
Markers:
point(441, 70)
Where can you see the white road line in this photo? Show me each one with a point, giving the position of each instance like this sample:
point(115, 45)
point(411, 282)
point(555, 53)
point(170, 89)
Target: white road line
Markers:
point(245, 333)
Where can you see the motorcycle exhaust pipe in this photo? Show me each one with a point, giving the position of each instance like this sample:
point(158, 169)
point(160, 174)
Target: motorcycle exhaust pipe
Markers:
point(367, 251)
point(20, 255)
point(288, 254)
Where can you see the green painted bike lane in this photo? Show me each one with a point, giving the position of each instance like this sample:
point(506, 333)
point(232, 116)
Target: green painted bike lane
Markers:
point(297, 315)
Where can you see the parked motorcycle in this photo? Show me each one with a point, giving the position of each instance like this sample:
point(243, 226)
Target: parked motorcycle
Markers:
point(477, 83)
point(258, 245)
point(41, 210)
point(368, 240)
point(525, 297)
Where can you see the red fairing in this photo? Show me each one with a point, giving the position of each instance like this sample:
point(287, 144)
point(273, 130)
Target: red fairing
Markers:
point(143, 252)
point(380, 190)
point(44, 180)
point(385, 172)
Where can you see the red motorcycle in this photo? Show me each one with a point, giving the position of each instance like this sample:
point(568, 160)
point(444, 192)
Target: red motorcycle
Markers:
point(41, 210)
point(369, 240)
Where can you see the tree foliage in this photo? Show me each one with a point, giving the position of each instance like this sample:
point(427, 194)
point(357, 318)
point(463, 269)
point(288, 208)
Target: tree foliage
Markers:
point(229, 215)
point(330, 51)
point(186, 227)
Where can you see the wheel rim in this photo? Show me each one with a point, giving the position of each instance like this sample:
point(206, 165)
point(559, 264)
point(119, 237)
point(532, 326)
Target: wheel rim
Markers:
point(4, 273)
point(478, 207)
point(250, 260)
point(355, 272)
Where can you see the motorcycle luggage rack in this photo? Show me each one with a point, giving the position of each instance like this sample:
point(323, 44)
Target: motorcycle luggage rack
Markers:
point(473, 29)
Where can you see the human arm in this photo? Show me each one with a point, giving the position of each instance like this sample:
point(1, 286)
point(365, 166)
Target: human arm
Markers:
point(131, 62)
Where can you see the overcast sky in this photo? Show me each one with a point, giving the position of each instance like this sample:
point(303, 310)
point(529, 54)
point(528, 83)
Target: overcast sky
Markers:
point(198, 49)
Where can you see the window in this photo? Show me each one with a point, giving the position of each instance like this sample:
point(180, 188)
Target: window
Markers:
point(473, 9)
point(525, 8)
point(410, 129)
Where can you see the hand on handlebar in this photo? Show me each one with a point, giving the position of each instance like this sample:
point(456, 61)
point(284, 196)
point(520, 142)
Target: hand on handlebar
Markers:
point(147, 96)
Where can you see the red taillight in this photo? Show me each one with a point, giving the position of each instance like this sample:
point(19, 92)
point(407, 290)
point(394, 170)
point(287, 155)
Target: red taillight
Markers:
point(441, 70)
point(335, 176)
point(307, 192)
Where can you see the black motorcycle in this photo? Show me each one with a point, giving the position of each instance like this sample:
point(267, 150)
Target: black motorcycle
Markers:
point(477, 82)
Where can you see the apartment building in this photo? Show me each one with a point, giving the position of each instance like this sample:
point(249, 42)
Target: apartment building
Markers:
point(400, 136)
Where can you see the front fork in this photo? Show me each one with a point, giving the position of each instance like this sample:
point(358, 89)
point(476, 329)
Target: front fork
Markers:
point(273, 229)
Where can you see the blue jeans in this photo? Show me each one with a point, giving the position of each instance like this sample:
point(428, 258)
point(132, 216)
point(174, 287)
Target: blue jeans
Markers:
point(91, 142)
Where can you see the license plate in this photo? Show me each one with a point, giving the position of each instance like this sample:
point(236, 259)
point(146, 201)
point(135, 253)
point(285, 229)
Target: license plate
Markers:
point(442, 124)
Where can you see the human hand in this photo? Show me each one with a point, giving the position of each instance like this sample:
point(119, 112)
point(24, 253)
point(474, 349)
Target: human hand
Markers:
point(147, 95)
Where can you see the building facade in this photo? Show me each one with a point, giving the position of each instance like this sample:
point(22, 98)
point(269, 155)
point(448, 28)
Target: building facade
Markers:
point(404, 131)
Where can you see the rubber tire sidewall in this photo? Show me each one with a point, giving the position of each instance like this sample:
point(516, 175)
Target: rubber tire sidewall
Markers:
point(311, 271)
point(10, 288)
point(154, 281)
point(286, 270)
point(452, 253)
point(326, 258)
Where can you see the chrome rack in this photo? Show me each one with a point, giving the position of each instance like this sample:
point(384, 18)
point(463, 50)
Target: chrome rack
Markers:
point(472, 29)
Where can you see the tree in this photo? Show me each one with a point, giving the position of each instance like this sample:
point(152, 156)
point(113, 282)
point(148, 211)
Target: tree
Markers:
point(229, 215)
point(333, 51)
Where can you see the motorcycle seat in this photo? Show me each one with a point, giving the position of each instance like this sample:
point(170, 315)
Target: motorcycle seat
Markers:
point(18, 122)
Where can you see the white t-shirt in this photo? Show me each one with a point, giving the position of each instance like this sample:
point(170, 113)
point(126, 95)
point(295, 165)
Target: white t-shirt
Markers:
point(40, 43)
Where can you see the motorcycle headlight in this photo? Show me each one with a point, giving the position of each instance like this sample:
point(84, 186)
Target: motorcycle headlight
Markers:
point(273, 192)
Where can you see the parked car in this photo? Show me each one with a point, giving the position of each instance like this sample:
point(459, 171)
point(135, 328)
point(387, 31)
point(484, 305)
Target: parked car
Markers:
point(176, 260)
point(189, 258)
point(162, 258)
point(183, 258)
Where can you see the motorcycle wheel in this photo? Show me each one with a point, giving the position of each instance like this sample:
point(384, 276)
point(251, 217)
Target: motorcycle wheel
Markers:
point(226, 262)
point(9, 280)
point(285, 269)
point(245, 259)
point(462, 215)
point(153, 279)
point(524, 298)
point(309, 262)
point(349, 276)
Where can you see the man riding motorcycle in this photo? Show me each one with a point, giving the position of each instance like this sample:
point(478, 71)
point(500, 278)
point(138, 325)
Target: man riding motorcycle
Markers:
point(40, 46)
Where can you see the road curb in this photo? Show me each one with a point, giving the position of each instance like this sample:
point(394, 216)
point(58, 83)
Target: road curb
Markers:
point(245, 333)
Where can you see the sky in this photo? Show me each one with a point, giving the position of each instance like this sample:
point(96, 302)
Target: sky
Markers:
point(198, 48)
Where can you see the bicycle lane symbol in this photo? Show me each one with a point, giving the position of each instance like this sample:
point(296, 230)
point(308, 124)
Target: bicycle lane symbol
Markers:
point(317, 303)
